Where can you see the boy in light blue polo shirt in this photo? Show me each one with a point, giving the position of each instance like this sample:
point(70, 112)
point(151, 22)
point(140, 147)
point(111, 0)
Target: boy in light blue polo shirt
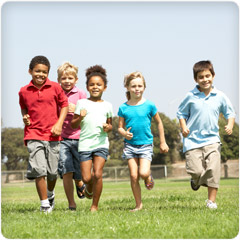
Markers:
point(198, 116)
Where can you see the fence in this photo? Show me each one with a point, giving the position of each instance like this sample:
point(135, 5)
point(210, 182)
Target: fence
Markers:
point(231, 169)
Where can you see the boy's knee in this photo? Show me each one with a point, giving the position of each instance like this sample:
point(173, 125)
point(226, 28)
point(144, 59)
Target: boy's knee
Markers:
point(97, 175)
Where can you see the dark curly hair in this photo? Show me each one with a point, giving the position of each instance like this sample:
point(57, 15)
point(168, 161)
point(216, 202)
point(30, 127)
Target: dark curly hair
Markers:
point(39, 60)
point(96, 70)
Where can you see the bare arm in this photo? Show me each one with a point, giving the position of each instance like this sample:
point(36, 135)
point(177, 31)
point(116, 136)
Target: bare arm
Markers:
point(163, 145)
point(229, 126)
point(26, 117)
point(78, 118)
point(184, 128)
point(125, 133)
point(57, 127)
point(107, 127)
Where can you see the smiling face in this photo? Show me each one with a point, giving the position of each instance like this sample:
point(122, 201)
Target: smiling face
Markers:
point(136, 88)
point(67, 81)
point(39, 74)
point(96, 87)
point(205, 81)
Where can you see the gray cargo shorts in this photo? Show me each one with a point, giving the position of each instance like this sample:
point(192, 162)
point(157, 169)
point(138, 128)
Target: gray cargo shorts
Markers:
point(43, 159)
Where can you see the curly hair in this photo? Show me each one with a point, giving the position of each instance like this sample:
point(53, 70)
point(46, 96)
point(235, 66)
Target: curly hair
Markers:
point(201, 66)
point(39, 60)
point(68, 69)
point(96, 70)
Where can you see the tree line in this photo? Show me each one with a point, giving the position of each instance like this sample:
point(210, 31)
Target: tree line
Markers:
point(15, 154)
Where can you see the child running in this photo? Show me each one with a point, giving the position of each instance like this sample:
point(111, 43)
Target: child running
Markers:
point(136, 115)
point(69, 164)
point(94, 115)
point(198, 116)
point(40, 102)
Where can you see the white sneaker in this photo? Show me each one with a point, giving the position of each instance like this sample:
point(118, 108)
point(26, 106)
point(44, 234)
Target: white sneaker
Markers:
point(51, 200)
point(211, 204)
point(46, 209)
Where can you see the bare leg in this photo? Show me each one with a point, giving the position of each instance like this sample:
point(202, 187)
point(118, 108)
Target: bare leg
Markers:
point(86, 168)
point(212, 193)
point(134, 176)
point(51, 184)
point(69, 189)
point(41, 186)
point(98, 164)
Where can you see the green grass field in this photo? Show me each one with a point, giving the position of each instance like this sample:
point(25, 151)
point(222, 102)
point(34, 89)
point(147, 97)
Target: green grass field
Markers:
point(171, 210)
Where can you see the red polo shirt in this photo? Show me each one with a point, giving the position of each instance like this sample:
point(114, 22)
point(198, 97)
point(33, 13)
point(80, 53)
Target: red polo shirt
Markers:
point(42, 105)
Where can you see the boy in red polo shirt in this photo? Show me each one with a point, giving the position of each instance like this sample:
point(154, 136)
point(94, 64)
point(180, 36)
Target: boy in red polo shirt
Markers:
point(40, 101)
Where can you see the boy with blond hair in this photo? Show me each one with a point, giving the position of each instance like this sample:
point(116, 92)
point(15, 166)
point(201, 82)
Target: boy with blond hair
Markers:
point(198, 117)
point(40, 102)
point(69, 163)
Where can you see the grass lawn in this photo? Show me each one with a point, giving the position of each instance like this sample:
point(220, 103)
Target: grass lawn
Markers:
point(171, 210)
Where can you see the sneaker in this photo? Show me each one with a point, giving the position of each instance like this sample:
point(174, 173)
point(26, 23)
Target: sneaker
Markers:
point(51, 200)
point(46, 209)
point(194, 186)
point(210, 204)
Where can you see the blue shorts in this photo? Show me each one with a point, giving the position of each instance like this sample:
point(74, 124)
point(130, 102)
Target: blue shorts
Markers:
point(137, 151)
point(88, 155)
point(69, 158)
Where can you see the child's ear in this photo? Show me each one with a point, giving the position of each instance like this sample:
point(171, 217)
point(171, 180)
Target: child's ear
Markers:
point(105, 87)
point(30, 71)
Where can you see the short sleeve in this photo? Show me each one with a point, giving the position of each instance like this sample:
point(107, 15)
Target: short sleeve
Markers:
point(62, 98)
point(21, 101)
point(154, 110)
point(184, 108)
point(110, 111)
point(78, 107)
point(120, 113)
point(227, 108)
point(82, 94)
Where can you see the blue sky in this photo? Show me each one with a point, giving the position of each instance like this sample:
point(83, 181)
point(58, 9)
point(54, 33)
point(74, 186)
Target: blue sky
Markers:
point(163, 40)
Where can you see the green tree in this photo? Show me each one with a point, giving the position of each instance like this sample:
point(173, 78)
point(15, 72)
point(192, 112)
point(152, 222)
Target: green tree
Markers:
point(116, 141)
point(14, 153)
point(173, 139)
point(230, 143)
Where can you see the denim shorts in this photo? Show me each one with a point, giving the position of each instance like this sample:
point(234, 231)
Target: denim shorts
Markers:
point(43, 159)
point(88, 155)
point(138, 151)
point(69, 158)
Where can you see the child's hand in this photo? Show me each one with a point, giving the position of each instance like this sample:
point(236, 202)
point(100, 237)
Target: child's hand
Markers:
point(83, 113)
point(228, 129)
point(128, 134)
point(185, 132)
point(26, 120)
point(164, 147)
point(56, 130)
point(107, 127)
point(71, 107)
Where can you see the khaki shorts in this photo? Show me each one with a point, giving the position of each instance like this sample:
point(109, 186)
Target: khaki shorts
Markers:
point(43, 159)
point(204, 165)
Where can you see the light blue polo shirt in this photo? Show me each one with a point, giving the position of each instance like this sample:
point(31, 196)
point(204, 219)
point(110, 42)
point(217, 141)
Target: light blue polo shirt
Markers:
point(139, 118)
point(202, 113)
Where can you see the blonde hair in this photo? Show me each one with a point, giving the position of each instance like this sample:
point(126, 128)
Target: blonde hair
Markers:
point(129, 77)
point(67, 68)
